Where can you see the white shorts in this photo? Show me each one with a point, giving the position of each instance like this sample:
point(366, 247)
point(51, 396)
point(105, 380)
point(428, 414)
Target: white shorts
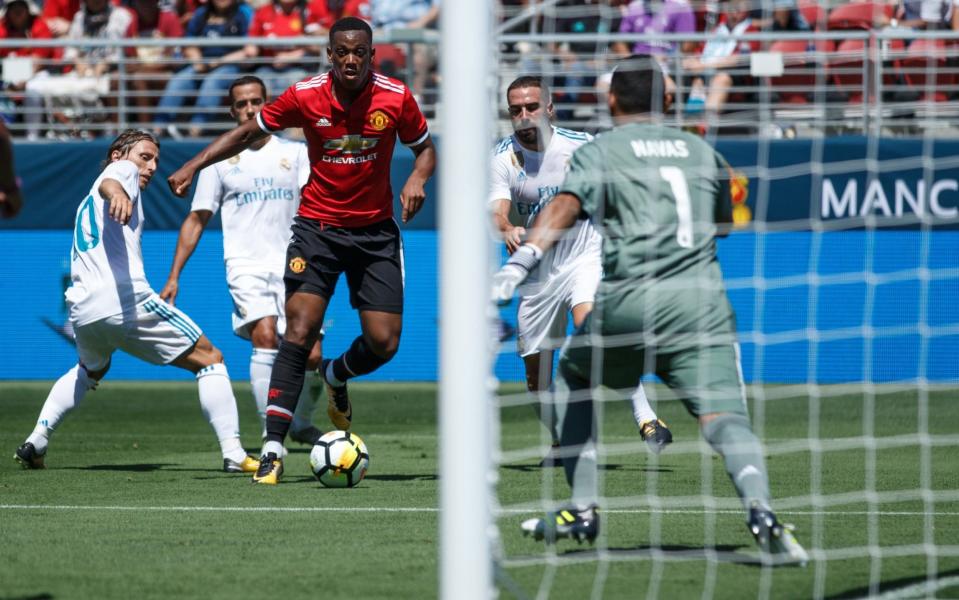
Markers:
point(543, 316)
point(157, 332)
point(255, 296)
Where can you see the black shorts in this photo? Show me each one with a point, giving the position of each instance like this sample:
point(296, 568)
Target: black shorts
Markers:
point(371, 257)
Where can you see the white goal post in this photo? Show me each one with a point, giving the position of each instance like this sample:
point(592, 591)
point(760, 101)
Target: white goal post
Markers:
point(465, 353)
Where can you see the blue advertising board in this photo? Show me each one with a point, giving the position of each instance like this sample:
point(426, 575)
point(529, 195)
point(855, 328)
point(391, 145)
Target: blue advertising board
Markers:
point(818, 297)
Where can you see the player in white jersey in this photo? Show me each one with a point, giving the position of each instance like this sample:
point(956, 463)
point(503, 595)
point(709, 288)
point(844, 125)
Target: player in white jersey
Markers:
point(528, 168)
point(113, 307)
point(258, 193)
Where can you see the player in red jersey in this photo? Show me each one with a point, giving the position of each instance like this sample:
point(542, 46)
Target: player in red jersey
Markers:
point(351, 118)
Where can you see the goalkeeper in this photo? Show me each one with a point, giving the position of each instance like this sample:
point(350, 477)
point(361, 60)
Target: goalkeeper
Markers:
point(659, 197)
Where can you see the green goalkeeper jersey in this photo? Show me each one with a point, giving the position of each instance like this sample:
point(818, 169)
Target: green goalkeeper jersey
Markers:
point(656, 195)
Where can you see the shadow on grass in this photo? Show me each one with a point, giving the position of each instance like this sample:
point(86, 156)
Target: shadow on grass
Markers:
point(886, 587)
point(422, 477)
point(44, 596)
point(722, 553)
point(637, 469)
point(140, 468)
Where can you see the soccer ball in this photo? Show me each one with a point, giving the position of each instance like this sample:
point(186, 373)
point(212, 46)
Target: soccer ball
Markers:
point(339, 459)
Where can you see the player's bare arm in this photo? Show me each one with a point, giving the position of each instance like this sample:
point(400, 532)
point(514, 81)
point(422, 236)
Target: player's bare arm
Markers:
point(512, 235)
point(190, 233)
point(414, 192)
point(229, 144)
point(558, 216)
point(121, 207)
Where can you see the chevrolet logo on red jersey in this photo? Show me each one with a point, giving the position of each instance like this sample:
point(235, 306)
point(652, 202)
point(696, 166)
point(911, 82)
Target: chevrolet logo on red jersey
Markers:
point(351, 144)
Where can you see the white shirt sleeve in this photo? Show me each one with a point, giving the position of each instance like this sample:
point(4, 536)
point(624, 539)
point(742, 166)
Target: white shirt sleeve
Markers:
point(209, 191)
point(303, 164)
point(125, 172)
point(499, 179)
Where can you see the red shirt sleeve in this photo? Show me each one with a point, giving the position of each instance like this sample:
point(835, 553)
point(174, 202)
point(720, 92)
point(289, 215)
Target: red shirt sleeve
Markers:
point(412, 128)
point(282, 113)
point(40, 31)
point(169, 25)
point(256, 27)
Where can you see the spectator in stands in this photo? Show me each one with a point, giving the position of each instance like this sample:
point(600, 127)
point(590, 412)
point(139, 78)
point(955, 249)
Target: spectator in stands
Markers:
point(785, 16)
point(921, 14)
point(282, 18)
point(327, 12)
point(59, 15)
point(211, 68)
point(573, 66)
point(656, 17)
point(149, 73)
point(19, 19)
point(717, 69)
point(410, 14)
point(80, 92)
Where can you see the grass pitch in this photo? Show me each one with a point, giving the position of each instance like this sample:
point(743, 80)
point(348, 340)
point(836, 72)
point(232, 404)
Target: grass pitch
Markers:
point(133, 504)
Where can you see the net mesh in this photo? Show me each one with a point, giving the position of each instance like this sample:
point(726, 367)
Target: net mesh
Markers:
point(843, 274)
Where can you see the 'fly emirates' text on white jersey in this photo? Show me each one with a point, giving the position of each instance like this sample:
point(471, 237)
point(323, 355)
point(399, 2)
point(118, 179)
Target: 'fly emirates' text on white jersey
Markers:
point(530, 179)
point(259, 193)
point(107, 263)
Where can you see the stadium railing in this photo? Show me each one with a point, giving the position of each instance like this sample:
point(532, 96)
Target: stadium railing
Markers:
point(880, 82)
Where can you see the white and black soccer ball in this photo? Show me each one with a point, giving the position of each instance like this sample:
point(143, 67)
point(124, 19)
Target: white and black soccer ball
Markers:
point(339, 459)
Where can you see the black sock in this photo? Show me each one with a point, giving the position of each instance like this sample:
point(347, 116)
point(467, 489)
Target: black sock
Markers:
point(358, 360)
point(286, 381)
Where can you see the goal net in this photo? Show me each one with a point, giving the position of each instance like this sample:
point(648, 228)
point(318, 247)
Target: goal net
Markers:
point(839, 124)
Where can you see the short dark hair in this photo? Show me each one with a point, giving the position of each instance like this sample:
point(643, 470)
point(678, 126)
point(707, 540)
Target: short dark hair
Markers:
point(351, 24)
point(246, 80)
point(127, 140)
point(525, 81)
point(639, 85)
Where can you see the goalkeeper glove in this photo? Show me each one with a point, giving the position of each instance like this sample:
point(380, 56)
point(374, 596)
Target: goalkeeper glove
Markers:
point(514, 272)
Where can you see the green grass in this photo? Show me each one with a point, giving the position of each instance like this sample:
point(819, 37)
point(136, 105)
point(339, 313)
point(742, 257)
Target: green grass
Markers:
point(136, 451)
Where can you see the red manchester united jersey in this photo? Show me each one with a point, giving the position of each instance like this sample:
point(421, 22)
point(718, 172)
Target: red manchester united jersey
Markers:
point(350, 148)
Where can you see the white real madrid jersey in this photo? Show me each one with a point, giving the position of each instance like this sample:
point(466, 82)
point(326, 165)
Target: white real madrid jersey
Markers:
point(107, 263)
point(258, 192)
point(530, 179)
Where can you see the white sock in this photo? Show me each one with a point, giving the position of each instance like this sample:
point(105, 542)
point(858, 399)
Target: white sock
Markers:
point(261, 366)
point(65, 395)
point(219, 408)
point(331, 376)
point(274, 447)
point(642, 411)
point(305, 405)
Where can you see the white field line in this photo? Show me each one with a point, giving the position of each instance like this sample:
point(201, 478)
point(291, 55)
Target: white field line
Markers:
point(426, 509)
point(923, 589)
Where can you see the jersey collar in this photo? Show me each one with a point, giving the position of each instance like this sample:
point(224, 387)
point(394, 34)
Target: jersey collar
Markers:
point(335, 102)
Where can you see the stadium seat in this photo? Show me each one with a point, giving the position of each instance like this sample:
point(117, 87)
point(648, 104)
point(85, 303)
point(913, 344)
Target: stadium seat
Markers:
point(814, 14)
point(799, 68)
point(858, 15)
point(846, 67)
point(389, 59)
point(923, 56)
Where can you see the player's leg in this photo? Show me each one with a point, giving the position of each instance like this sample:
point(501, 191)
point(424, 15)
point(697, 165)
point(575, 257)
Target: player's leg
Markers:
point(302, 429)
point(586, 276)
point(313, 264)
point(374, 273)
point(709, 381)
point(541, 320)
point(265, 343)
point(95, 345)
point(304, 315)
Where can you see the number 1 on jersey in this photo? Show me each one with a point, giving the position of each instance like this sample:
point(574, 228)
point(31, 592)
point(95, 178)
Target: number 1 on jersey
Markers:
point(684, 210)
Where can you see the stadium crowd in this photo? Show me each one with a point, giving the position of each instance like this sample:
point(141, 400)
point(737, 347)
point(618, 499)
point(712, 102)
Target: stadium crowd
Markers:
point(180, 90)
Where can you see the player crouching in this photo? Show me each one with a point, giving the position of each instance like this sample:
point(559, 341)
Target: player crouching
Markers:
point(113, 307)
